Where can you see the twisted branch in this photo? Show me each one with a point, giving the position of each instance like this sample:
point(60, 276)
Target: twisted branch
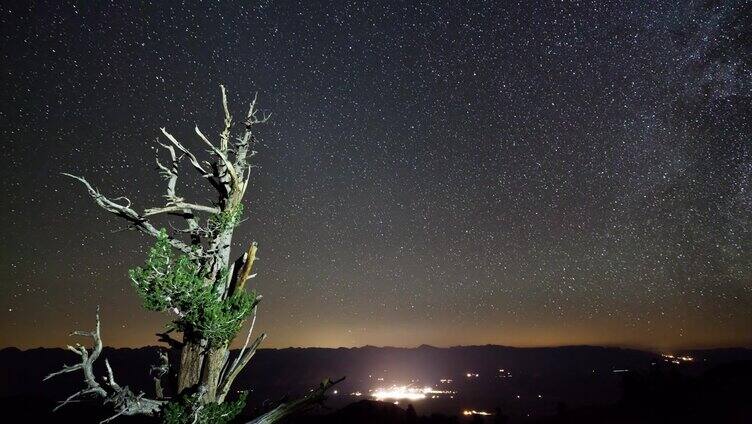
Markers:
point(194, 161)
point(130, 215)
point(176, 205)
point(124, 401)
point(180, 208)
point(221, 155)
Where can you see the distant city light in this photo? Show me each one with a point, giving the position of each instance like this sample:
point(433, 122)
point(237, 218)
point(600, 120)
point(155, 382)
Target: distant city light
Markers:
point(504, 373)
point(399, 392)
point(474, 412)
point(677, 359)
point(408, 393)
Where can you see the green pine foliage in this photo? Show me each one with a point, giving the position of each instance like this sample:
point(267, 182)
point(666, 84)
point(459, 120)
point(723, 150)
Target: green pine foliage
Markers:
point(183, 411)
point(226, 219)
point(177, 284)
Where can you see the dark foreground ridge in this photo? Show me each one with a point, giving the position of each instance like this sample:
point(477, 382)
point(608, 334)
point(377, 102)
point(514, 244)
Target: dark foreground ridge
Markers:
point(549, 385)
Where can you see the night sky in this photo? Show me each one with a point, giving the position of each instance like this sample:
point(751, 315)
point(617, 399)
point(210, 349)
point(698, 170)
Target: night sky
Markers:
point(434, 172)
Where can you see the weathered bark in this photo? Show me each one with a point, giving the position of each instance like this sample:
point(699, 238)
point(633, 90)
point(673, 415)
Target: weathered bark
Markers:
point(201, 366)
point(191, 362)
point(214, 361)
point(243, 268)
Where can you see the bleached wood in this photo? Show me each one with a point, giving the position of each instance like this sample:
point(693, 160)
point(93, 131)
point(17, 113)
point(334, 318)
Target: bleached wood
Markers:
point(125, 402)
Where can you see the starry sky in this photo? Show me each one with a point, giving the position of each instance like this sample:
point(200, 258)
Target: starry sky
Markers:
point(440, 172)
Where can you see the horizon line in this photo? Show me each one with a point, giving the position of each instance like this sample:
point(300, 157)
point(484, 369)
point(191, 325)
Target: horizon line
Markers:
point(425, 345)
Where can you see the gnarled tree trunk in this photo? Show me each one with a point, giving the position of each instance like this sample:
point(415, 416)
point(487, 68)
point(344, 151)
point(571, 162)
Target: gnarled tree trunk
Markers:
point(205, 370)
point(191, 363)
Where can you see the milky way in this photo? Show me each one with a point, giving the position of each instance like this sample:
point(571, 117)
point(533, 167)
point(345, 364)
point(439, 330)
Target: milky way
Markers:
point(434, 172)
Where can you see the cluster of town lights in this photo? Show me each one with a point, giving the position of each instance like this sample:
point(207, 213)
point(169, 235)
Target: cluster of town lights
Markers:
point(677, 359)
point(407, 393)
point(474, 412)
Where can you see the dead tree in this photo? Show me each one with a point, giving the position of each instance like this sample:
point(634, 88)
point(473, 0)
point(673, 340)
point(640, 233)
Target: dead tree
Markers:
point(190, 274)
point(124, 401)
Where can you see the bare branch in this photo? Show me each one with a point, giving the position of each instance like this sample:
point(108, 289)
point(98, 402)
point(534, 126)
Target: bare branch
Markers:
point(242, 350)
point(180, 208)
point(86, 365)
point(316, 397)
point(243, 145)
point(224, 386)
point(125, 212)
point(251, 119)
point(73, 397)
point(226, 162)
point(225, 134)
point(111, 376)
point(176, 205)
point(124, 401)
point(170, 173)
point(191, 157)
point(194, 161)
